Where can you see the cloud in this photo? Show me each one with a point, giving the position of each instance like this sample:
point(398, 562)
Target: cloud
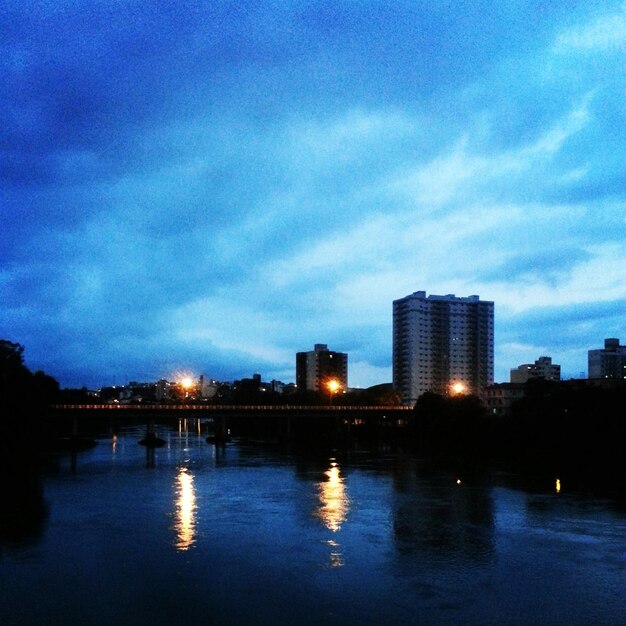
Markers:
point(605, 33)
point(368, 375)
point(220, 186)
point(557, 330)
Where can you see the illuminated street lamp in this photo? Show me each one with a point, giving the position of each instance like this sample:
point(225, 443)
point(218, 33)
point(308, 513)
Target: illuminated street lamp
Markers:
point(333, 386)
point(188, 385)
point(457, 389)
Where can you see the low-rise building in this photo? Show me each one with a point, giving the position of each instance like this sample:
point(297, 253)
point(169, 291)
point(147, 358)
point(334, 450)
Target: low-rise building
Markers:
point(609, 362)
point(542, 368)
point(499, 397)
point(316, 367)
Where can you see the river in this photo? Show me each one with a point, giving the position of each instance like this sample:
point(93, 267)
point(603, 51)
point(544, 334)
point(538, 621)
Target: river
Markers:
point(265, 533)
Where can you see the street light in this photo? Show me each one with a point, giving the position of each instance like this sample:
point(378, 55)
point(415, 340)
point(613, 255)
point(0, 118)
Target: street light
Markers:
point(457, 389)
point(188, 386)
point(333, 386)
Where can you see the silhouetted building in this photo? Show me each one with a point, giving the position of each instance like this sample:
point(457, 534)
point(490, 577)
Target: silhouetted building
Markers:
point(289, 388)
point(316, 367)
point(163, 390)
point(208, 387)
point(442, 344)
point(278, 386)
point(500, 396)
point(542, 368)
point(608, 363)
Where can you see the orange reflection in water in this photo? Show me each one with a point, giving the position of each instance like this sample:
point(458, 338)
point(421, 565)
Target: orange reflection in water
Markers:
point(333, 509)
point(334, 501)
point(336, 558)
point(185, 518)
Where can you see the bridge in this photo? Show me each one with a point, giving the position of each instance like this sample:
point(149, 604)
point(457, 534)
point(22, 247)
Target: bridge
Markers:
point(255, 419)
point(258, 410)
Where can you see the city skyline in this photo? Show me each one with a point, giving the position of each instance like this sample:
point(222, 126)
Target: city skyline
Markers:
point(212, 188)
point(187, 377)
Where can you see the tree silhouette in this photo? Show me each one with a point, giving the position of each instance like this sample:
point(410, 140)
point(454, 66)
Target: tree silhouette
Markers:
point(23, 395)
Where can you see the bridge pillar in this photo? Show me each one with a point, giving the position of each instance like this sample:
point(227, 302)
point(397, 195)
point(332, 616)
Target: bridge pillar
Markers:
point(151, 440)
point(220, 430)
point(286, 434)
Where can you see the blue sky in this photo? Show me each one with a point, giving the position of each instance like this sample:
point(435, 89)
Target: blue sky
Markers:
point(210, 187)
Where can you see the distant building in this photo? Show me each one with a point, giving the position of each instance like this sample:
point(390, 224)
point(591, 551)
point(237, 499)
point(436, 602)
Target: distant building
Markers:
point(140, 392)
point(316, 367)
point(278, 386)
point(289, 388)
point(500, 397)
point(542, 368)
point(441, 343)
point(609, 362)
point(208, 387)
point(163, 390)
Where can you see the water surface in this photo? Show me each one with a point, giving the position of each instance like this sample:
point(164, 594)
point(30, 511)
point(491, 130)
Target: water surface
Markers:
point(260, 533)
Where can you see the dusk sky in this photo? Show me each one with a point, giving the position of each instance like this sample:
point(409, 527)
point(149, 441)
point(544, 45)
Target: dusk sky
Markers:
point(210, 187)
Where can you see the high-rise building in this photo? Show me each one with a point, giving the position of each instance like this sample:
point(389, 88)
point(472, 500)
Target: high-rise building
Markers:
point(608, 363)
point(442, 344)
point(316, 367)
point(542, 368)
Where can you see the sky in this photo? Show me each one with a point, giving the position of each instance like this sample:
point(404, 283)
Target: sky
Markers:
point(211, 187)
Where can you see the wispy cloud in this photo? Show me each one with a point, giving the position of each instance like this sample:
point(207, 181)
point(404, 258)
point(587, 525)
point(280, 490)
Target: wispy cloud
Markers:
point(605, 32)
point(223, 186)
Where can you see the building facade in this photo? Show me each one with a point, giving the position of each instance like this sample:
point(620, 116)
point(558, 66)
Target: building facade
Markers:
point(316, 367)
point(442, 344)
point(499, 397)
point(609, 362)
point(542, 368)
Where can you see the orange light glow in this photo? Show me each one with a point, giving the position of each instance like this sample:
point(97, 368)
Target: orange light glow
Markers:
point(333, 385)
point(333, 499)
point(187, 382)
point(457, 388)
point(185, 515)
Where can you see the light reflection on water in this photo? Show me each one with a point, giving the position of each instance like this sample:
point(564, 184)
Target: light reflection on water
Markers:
point(333, 508)
point(185, 514)
point(245, 534)
point(333, 499)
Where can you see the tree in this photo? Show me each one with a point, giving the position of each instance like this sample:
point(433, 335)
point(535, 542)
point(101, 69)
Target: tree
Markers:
point(14, 375)
point(22, 393)
point(11, 355)
point(451, 425)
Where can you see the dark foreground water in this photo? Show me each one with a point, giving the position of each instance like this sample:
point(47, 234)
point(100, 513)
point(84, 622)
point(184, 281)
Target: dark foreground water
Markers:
point(254, 533)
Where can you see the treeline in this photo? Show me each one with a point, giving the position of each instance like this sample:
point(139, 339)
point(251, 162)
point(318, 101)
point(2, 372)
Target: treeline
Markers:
point(24, 398)
point(22, 391)
point(557, 426)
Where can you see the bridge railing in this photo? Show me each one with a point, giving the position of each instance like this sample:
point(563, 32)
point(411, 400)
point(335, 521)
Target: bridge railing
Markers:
point(224, 407)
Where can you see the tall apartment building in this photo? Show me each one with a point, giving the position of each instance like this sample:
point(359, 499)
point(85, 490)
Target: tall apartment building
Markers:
point(607, 363)
point(542, 368)
point(441, 344)
point(316, 367)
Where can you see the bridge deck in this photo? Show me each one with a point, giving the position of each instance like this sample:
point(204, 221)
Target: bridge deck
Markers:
point(227, 408)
